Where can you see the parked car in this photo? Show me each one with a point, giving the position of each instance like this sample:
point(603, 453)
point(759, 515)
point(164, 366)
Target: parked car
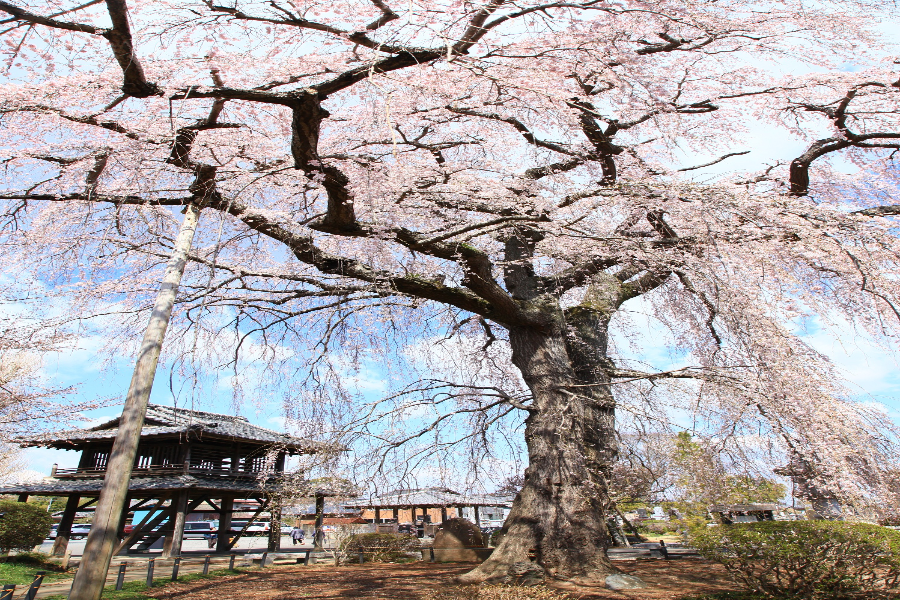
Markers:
point(258, 528)
point(53, 529)
point(199, 530)
point(286, 529)
point(237, 525)
point(80, 530)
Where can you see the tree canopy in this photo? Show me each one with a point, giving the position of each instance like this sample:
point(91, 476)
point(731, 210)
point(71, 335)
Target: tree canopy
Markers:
point(509, 175)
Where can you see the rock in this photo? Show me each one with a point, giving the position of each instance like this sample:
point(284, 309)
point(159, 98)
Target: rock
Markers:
point(620, 581)
point(459, 540)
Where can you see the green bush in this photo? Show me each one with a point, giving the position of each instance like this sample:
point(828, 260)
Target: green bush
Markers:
point(23, 526)
point(35, 559)
point(658, 527)
point(380, 546)
point(805, 559)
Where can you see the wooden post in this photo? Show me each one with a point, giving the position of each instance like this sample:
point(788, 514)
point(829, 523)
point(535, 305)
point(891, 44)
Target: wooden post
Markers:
point(120, 577)
point(150, 565)
point(396, 515)
point(377, 515)
point(224, 524)
point(477, 517)
point(23, 497)
point(172, 544)
point(412, 514)
point(319, 536)
point(35, 585)
point(101, 541)
point(64, 531)
point(275, 526)
point(443, 514)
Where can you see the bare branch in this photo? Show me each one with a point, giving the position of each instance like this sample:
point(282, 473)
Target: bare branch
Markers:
point(716, 161)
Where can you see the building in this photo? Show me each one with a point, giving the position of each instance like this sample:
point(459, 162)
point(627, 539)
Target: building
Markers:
point(426, 506)
point(187, 462)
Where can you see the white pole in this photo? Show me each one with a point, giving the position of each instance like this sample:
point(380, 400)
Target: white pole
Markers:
point(101, 541)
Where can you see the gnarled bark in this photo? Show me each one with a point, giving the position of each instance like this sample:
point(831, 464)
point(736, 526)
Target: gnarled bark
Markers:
point(559, 516)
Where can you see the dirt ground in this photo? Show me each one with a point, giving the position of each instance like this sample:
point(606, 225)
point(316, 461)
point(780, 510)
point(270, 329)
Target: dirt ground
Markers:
point(669, 580)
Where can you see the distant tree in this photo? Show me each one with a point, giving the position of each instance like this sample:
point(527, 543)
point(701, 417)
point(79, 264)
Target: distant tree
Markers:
point(511, 485)
point(23, 526)
point(700, 479)
point(28, 403)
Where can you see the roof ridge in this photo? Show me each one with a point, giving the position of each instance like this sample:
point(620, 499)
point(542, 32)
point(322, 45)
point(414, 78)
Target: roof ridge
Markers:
point(198, 413)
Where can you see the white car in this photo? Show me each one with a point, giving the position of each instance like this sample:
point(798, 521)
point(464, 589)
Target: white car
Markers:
point(79, 530)
point(199, 530)
point(257, 528)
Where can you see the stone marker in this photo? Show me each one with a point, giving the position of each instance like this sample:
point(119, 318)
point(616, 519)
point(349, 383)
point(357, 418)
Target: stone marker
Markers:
point(459, 540)
point(621, 581)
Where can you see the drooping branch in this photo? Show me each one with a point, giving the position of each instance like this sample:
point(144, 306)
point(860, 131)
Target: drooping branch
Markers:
point(838, 113)
point(119, 37)
point(20, 14)
point(518, 126)
point(880, 211)
point(712, 312)
point(714, 162)
point(94, 120)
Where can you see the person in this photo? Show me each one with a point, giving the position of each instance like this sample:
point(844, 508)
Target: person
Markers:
point(211, 539)
point(297, 535)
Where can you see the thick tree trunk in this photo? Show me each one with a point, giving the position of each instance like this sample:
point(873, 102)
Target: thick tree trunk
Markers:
point(559, 516)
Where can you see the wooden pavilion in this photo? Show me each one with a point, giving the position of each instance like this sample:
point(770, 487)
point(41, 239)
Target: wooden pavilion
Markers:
point(185, 458)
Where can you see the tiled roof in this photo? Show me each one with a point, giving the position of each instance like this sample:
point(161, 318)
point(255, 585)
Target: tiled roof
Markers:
point(169, 421)
point(427, 497)
point(91, 487)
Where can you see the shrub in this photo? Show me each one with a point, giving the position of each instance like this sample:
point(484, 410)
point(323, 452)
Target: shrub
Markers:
point(658, 527)
point(380, 546)
point(35, 559)
point(805, 559)
point(23, 526)
point(890, 521)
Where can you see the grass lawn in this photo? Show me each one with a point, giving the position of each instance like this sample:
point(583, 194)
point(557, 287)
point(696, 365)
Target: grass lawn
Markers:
point(134, 590)
point(23, 573)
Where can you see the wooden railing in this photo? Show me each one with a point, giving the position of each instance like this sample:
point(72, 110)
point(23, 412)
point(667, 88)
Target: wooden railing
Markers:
point(154, 470)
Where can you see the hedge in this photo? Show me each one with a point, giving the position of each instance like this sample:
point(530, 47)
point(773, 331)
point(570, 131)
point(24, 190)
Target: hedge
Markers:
point(22, 526)
point(805, 559)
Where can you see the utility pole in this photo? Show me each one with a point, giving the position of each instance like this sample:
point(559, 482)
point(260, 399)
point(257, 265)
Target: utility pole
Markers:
point(102, 539)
